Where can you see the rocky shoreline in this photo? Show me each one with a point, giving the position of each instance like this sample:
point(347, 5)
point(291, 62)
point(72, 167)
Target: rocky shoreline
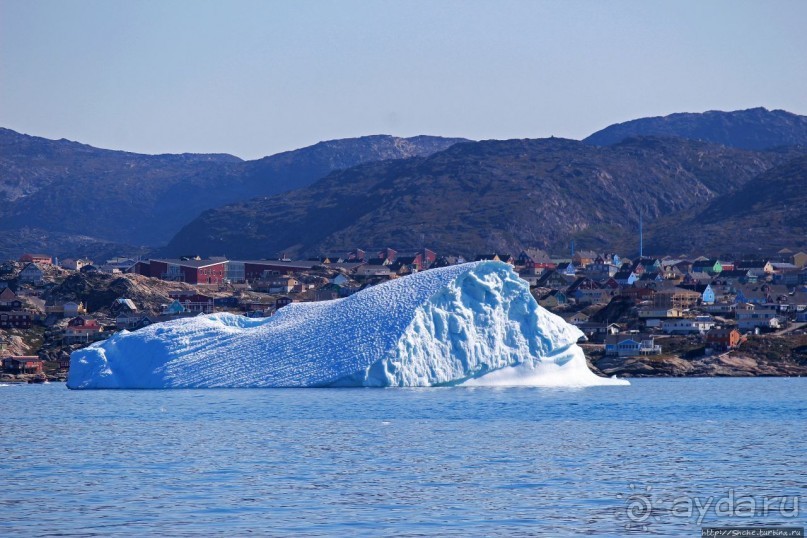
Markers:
point(777, 356)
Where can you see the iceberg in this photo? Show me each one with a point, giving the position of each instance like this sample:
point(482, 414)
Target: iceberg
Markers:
point(474, 324)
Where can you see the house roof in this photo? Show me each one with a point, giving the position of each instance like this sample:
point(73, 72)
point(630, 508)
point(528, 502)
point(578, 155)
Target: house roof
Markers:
point(751, 264)
point(7, 295)
point(196, 264)
point(31, 264)
point(128, 303)
point(536, 255)
point(23, 358)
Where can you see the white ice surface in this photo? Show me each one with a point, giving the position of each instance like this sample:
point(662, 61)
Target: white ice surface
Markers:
point(474, 324)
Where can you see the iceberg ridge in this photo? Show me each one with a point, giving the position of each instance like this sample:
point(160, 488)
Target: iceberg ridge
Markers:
point(472, 324)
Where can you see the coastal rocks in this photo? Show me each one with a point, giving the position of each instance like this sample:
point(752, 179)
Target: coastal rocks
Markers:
point(735, 364)
point(645, 366)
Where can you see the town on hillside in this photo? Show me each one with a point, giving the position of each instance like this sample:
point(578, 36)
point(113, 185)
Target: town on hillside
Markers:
point(642, 316)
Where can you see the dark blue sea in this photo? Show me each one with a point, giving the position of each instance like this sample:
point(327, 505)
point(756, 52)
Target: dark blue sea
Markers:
point(660, 457)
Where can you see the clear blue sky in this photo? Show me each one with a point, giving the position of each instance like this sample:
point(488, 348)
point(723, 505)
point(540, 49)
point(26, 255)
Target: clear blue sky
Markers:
point(253, 78)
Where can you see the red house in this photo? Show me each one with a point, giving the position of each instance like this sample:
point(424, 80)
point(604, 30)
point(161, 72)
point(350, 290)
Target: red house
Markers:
point(199, 272)
point(42, 259)
point(23, 364)
point(82, 329)
point(723, 338)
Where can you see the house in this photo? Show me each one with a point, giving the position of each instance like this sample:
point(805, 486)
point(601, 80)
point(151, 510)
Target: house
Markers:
point(625, 277)
point(724, 309)
point(783, 267)
point(723, 339)
point(759, 269)
point(582, 258)
point(280, 302)
point(651, 277)
point(445, 261)
point(742, 276)
point(596, 332)
point(708, 293)
point(762, 294)
point(676, 298)
point(42, 259)
point(535, 258)
point(16, 319)
point(637, 295)
point(685, 266)
point(387, 254)
point(799, 259)
point(328, 292)
point(696, 279)
point(630, 345)
point(576, 318)
point(340, 280)
point(23, 364)
point(82, 329)
point(697, 325)
point(75, 265)
point(555, 280)
point(31, 273)
point(552, 299)
point(658, 313)
point(568, 269)
point(71, 309)
point(9, 300)
point(369, 270)
point(752, 316)
point(601, 271)
point(592, 296)
point(192, 271)
point(126, 313)
point(174, 309)
point(710, 267)
point(787, 277)
point(194, 302)
point(671, 272)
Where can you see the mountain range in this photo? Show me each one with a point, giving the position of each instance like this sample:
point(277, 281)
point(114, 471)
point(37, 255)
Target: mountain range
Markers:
point(755, 128)
point(695, 179)
point(491, 196)
point(67, 190)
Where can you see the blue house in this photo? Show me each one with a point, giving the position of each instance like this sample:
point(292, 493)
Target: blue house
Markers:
point(625, 278)
point(708, 295)
point(175, 308)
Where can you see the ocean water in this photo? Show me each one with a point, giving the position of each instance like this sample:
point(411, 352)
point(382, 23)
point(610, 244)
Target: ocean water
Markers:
point(612, 461)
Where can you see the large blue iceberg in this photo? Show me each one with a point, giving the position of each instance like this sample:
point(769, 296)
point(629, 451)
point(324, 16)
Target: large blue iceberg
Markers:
point(471, 324)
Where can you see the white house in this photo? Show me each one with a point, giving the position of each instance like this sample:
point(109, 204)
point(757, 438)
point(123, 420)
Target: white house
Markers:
point(752, 316)
point(630, 345)
point(697, 325)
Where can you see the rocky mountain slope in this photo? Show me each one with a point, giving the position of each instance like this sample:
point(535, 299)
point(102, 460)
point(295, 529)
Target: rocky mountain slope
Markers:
point(482, 196)
point(755, 128)
point(63, 187)
point(766, 214)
